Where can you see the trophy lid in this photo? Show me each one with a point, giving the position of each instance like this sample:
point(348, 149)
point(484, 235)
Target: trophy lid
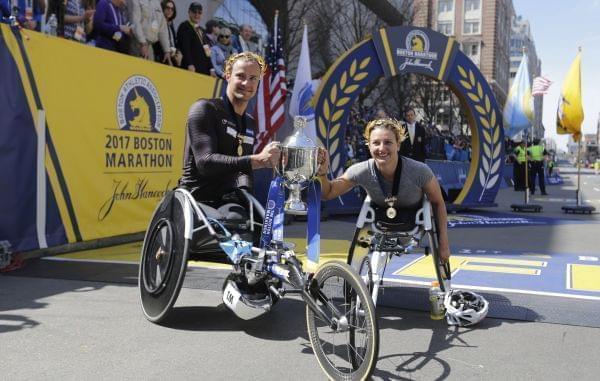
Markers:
point(299, 139)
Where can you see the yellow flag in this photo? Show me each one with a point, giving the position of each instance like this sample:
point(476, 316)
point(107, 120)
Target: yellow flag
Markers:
point(569, 114)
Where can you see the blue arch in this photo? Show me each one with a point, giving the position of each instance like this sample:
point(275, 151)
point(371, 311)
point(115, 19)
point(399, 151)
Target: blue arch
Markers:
point(405, 50)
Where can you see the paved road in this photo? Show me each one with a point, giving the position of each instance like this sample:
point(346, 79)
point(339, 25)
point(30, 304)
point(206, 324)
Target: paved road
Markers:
point(84, 322)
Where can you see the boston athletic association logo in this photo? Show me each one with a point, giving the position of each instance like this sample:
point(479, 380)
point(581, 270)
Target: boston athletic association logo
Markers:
point(138, 105)
point(417, 51)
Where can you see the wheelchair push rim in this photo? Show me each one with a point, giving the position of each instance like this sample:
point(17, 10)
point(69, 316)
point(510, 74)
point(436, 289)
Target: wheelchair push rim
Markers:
point(349, 351)
point(164, 257)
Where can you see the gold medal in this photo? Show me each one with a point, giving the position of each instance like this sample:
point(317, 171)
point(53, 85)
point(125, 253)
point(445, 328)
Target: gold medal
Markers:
point(240, 149)
point(390, 213)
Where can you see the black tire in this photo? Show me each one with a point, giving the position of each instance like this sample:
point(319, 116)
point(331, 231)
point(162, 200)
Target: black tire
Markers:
point(442, 270)
point(343, 289)
point(164, 257)
point(365, 271)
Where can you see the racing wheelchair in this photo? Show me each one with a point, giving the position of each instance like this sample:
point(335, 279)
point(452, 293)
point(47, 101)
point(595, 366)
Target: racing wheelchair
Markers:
point(340, 313)
point(386, 239)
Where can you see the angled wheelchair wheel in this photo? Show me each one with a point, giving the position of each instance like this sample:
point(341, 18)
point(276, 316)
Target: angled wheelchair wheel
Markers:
point(365, 271)
point(442, 270)
point(346, 348)
point(164, 256)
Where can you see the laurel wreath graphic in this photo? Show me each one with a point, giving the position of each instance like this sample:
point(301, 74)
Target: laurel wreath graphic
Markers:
point(334, 107)
point(491, 158)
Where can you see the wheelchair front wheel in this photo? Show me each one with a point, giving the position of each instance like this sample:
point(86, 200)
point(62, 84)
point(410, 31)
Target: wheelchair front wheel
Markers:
point(349, 350)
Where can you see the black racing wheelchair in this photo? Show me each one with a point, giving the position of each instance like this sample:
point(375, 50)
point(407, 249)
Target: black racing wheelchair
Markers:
point(340, 313)
point(388, 238)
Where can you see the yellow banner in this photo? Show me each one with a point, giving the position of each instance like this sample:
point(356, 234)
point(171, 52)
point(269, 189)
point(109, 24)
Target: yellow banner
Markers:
point(117, 128)
point(569, 115)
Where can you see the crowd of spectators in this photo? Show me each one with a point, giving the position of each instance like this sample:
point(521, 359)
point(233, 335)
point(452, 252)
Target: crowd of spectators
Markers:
point(141, 28)
point(441, 144)
point(146, 29)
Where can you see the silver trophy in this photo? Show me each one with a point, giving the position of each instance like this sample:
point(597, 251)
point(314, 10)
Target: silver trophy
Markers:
point(298, 165)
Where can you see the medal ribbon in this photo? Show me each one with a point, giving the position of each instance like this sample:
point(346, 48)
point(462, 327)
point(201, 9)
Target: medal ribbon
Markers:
point(313, 226)
point(396, 182)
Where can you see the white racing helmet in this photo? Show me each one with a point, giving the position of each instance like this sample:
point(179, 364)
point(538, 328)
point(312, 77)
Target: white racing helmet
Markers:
point(464, 308)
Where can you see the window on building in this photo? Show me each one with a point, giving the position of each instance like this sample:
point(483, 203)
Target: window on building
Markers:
point(472, 50)
point(472, 5)
point(446, 27)
point(445, 6)
point(471, 27)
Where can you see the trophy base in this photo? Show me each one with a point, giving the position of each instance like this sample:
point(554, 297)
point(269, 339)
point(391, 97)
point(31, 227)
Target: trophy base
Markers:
point(297, 208)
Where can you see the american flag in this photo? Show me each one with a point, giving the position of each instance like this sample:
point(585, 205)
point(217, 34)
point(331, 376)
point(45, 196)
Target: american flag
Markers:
point(270, 104)
point(540, 86)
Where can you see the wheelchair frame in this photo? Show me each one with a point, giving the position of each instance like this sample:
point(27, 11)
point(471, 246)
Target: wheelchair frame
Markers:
point(383, 245)
point(350, 314)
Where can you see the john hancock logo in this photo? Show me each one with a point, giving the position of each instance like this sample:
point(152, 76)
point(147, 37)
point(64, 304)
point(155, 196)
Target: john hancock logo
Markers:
point(417, 51)
point(138, 105)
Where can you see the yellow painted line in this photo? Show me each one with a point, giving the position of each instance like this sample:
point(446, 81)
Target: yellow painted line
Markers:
point(128, 252)
point(585, 277)
point(331, 249)
point(504, 261)
point(423, 266)
point(502, 269)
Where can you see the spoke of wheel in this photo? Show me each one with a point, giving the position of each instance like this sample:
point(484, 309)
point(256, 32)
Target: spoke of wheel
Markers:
point(158, 276)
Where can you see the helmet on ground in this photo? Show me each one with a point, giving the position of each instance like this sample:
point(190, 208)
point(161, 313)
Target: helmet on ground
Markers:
point(465, 308)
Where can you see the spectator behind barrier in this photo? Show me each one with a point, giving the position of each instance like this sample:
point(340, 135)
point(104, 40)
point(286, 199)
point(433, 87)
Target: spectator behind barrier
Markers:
point(170, 12)
point(193, 43)
point(213, 28)
point(78, 20)
point(149, 26)
point(4, 10)
point(221, 51)
point(110, 28)
point(244, 41)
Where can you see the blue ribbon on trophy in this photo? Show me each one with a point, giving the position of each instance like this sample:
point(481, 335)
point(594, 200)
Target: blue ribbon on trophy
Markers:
point(273, 223)
point(296, 171)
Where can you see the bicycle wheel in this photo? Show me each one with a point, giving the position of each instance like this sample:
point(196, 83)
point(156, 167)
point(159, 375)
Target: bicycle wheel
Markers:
point(347, 349)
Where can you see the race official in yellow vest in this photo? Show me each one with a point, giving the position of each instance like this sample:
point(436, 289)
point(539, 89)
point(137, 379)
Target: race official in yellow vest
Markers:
point(518, 155)
point(537, 153)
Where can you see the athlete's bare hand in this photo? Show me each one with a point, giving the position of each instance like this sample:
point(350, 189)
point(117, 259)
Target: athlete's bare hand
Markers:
point(268, 157)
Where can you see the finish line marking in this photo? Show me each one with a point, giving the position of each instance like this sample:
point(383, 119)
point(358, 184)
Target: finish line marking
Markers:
point(483, 288)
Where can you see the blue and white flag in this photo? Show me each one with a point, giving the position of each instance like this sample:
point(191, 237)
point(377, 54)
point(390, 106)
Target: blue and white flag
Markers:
point(518, 110)
point(304, 90)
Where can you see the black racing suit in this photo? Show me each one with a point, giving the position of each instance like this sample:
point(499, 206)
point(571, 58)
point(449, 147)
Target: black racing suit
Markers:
point(212, 165)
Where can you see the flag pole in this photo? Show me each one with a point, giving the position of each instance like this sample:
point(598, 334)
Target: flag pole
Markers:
point(578, 191)
point(274, 138)
point(526, 167)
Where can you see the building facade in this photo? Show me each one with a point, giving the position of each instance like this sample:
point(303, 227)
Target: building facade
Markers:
point(522, 39)
point(481, 27)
